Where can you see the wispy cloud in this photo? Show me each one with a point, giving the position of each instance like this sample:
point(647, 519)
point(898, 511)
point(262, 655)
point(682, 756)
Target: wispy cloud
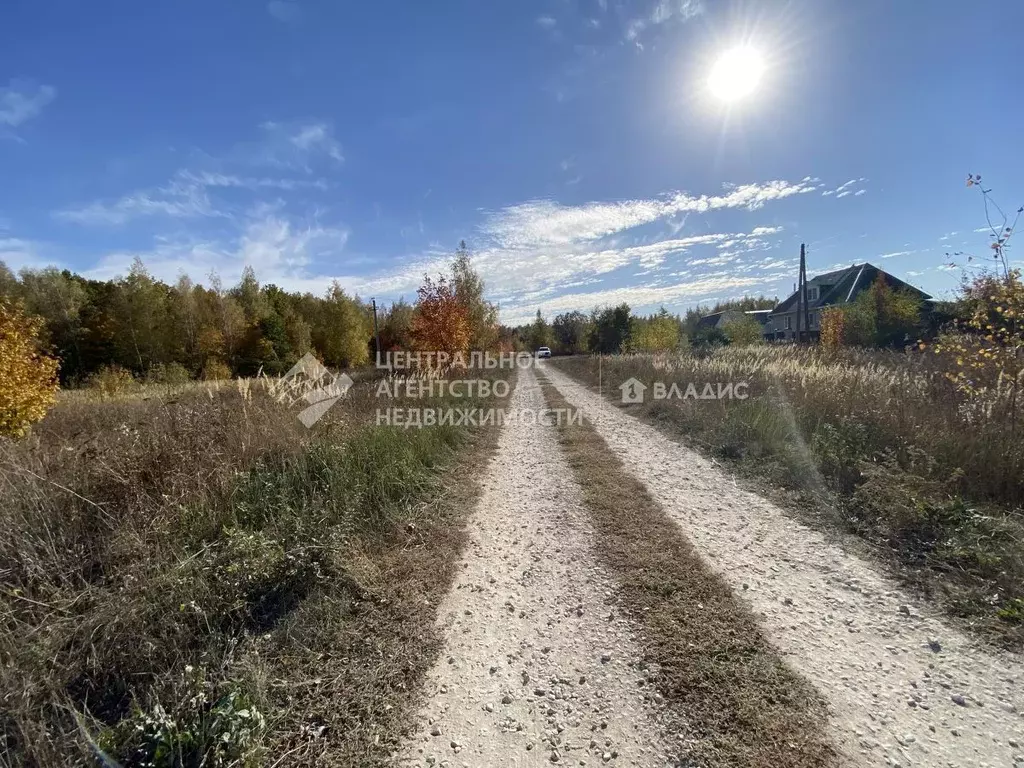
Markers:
point(544, 222)
point(21, 100)
point(547, 22)
point(844, 190)
point(894, 254)
point(188, 193)
point(317, 136)
point(661, 12)
point(180, 199)
point(284, 11)
point(293, 145)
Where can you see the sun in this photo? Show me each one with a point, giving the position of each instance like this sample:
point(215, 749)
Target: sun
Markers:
point(736, 73)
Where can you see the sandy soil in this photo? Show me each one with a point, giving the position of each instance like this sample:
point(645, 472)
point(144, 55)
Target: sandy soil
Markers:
point(538, 667)
point(905, 688)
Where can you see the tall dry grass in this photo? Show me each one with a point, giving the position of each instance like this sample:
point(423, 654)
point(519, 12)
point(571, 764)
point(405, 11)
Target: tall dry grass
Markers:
point(176, 564)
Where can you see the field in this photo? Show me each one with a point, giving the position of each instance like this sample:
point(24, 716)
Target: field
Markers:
point(878, 444)
point(182, 567)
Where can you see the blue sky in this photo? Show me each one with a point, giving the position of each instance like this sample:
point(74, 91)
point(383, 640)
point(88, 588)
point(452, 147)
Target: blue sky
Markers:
point(572, 143)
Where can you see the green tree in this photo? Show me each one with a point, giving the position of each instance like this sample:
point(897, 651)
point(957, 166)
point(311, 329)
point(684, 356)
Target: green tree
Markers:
point(610, 331)
point(744, 331)
point(539, 334)
point(572, 332)
point(344, 331)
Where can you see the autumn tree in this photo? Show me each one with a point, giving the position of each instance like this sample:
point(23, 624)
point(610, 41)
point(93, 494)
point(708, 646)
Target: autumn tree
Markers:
point(28, 377)
point(657, 333)
point(481, 314)
point(439, 323)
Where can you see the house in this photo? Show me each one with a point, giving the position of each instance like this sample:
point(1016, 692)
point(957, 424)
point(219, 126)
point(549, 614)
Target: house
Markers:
point(723, 318)
point(827, 290)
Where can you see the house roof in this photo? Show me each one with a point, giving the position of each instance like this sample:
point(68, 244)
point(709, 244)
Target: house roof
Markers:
point(843, 285)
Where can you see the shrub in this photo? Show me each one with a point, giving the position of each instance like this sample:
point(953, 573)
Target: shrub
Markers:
point(28, 378)
point(216, 370)
point(171, 373)
point(112, 380)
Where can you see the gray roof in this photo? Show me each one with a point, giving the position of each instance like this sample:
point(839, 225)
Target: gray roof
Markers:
point(844, 285)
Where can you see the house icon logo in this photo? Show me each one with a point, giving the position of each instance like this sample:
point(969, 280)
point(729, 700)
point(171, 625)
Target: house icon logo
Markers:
point(632, 391)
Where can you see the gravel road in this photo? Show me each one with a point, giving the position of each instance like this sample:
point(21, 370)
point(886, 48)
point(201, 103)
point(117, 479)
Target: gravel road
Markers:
point(905, 688)
point(538, 667)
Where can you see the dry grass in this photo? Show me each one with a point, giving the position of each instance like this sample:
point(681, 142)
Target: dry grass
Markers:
point(743, 705)
point(874, 443)
point(191, 577)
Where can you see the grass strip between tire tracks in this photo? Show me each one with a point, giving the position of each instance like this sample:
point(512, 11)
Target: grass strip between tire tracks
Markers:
point(744, 706)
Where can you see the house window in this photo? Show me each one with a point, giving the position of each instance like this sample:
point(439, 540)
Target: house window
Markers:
point(789, 322)
point(812, 293)
point(814, 319)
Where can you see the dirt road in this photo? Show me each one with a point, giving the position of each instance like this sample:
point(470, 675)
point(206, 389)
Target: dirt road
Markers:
point(538, 669)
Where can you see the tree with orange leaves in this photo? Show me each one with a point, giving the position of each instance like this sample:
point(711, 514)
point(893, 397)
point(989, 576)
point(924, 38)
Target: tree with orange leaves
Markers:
point(440, 322)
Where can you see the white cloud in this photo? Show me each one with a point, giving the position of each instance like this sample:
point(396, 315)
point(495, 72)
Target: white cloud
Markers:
point(641, 297)
point(21, 100)
point(280, 251)
point(894, 254)
point(661, 12)
point(844, 189)
point(763, 231)
point(544, 222)
point(547, 22)
point(317, 136)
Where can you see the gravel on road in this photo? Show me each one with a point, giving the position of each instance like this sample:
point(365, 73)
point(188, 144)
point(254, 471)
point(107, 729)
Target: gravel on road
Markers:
point(538, 667)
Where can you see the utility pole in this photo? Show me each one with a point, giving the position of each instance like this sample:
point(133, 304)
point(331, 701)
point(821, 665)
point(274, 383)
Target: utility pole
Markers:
point(376, 333)
point(803, 320)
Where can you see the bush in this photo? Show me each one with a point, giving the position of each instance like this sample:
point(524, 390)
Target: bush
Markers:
point(216, 370)
point(171, 373)
point(28, 378)
point(112, 380)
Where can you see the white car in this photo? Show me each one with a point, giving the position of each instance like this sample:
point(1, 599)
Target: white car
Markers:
point(543, 352)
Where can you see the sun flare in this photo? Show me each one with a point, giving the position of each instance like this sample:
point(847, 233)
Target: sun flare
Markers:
point(736, 74)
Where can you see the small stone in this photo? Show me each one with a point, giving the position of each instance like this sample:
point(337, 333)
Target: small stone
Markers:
point(488, 707)
point(605, 658)
point(905, 610)
point(506, 699)
point(959, 700)
point(493, 670)
point(539, 692)
point(455, 744)
point(606, 756)
point(435, 731)
point(934, 645)
point(788, 601)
